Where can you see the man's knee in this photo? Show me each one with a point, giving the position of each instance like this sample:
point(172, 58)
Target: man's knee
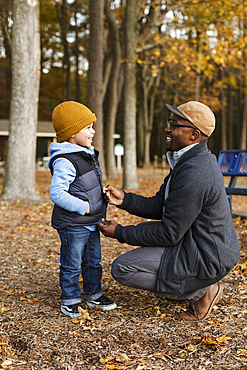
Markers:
point(121, 270)
point(115, 269)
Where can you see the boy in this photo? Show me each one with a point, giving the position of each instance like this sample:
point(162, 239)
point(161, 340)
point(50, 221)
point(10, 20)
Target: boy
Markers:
point(76, 190)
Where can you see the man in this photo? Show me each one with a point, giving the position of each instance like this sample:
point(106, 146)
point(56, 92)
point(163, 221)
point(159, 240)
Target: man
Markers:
point(193, 245)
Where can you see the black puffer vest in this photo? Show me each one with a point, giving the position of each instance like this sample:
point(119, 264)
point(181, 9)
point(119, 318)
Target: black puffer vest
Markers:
point(86, 186)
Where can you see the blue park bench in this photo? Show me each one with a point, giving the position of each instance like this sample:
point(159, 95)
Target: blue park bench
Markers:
point(233, 163)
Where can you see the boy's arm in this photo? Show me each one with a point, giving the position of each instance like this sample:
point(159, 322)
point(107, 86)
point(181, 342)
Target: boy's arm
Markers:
point(64, 174)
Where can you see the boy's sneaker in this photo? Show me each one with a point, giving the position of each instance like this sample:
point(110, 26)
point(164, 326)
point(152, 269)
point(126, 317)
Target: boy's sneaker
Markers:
point(71, 310)
point(102, 302)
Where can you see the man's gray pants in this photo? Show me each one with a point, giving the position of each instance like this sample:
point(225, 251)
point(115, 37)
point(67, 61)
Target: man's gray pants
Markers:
point(139, 269)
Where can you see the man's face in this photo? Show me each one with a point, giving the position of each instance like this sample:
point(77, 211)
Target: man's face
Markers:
point(179, 137)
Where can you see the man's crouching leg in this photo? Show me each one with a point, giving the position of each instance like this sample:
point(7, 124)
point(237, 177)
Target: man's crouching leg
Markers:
point(138, 268)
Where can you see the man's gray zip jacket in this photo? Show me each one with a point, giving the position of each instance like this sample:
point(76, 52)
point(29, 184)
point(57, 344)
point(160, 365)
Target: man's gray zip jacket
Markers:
point(195, 224)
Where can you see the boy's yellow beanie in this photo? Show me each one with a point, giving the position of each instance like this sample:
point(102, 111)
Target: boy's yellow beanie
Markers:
point(70, 117)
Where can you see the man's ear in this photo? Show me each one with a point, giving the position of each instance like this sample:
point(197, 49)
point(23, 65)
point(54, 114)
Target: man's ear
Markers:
point(194, 135)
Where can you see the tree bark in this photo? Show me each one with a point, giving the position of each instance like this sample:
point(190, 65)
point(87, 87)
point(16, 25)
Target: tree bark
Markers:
point(244, 125)
point(19, 179)
point(198, 68)
point(112, 93)
point(223, 114)
point(62, 16)
point(95, 74)
point(230, 131)
point(130, 164)
point(140, 119)
point(5, 16)
point(77, 54)
point(108, 60)
point(150, 120)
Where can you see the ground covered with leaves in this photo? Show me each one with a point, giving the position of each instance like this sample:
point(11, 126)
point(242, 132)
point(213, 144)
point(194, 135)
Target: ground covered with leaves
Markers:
point(140, 334)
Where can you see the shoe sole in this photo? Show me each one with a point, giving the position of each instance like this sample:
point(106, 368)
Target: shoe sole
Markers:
point(216, 299)
point(105, 308)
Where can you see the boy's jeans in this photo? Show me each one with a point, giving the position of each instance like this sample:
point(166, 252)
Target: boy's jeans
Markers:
point(80, 253)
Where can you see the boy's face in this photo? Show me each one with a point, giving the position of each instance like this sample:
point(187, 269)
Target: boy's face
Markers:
point(84, 137)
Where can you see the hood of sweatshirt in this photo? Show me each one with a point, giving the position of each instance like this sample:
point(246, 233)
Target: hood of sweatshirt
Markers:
point(65, 147)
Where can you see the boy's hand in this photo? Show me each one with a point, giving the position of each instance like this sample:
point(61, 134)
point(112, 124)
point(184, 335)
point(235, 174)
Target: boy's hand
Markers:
point(108, 228)
point(113, 195)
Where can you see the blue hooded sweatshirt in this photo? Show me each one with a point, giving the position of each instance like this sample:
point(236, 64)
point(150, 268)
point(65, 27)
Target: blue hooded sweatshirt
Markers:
point(64, 174)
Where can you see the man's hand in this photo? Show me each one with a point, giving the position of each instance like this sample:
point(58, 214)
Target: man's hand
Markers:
point(113, 195)
point(108, 228)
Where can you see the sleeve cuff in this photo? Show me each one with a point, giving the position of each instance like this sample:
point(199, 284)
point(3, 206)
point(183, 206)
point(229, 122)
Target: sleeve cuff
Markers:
point(118, 233)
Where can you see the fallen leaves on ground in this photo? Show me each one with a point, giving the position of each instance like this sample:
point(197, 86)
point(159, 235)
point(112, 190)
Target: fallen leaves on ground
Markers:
point(140, 334)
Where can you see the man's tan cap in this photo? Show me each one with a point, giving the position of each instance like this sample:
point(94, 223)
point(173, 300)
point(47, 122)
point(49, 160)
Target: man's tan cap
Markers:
point(197, 113)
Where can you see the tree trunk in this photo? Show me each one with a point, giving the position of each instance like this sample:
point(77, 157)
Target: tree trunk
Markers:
point(77, 54)
point(130, 166)
point(95, 74)
point(147, 132)
point(197, 87)
point(230, 131)
point(19, 179)
point(150, 120)
point(223, 114)
point(108, 60)
point(240, 109)
point(149, 84)
point(112, 95)
point(62, 16)
point(223, 123)
point(244, 125)
point(5, 16)
point(198, 68)
point(140, 120)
